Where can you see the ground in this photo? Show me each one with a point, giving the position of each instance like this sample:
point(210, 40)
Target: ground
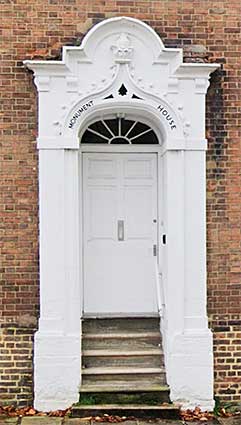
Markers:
point(85, 421)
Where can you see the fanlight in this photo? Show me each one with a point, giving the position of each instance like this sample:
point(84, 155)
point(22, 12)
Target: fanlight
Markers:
point(119, 131)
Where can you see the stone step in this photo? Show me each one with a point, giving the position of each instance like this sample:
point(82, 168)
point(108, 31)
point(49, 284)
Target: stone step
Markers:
point(101, 358)
point(109, 353)
point(135, 324)
point(121, 371)
point(131, 388)
point(122, 335)
point(124, 379)
point(116, 395)
point(123, 363)
point(122, 342)
point(165, 411)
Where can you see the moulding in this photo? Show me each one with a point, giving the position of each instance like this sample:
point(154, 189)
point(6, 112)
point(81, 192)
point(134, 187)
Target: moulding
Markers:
point(196, 70)
point(201, 85)
point(43, 83)
point(110, 55)
point(185, 145)
point(55, 142)
point(49, 67)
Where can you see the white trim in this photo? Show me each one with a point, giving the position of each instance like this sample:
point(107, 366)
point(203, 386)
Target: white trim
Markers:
point(119, 315)
point(120, 148)
point(172, 144)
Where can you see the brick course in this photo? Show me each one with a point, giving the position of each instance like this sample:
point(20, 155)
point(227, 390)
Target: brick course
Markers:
point(37, 29)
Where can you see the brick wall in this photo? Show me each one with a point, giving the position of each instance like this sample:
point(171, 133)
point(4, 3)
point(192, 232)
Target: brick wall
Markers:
point(16, 371)
point(207, 30)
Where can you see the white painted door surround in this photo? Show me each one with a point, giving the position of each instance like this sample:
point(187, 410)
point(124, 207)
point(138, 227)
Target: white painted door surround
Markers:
point(168, 95)
point(120, 231)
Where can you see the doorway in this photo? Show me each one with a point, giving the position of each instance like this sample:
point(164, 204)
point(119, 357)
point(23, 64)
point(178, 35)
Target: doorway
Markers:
point(120, 222)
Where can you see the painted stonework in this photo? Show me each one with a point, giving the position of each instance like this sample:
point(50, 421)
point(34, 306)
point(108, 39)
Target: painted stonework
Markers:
point(173, 86)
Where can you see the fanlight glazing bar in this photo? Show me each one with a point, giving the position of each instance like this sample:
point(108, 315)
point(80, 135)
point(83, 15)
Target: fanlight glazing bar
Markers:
point(98, 134)
point(119, 127)
point(141, 134)
point(131, 128)
point(108, 128)
point(122, 137)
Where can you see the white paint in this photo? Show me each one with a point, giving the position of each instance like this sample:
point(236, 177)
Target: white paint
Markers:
point(57, 342)
point(123, 51)
point(119, 275)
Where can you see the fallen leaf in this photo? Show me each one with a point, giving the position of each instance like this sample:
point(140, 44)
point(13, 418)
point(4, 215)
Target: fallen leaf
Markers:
point(31, 412)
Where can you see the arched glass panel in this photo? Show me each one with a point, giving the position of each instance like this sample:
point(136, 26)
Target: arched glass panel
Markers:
point(119, 131)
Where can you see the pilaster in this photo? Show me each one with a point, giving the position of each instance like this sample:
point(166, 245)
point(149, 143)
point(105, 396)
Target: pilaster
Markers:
point(57, 342)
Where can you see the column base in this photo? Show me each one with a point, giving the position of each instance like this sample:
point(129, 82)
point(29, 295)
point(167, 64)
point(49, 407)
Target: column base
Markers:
point(56, 370)
point(190, 369)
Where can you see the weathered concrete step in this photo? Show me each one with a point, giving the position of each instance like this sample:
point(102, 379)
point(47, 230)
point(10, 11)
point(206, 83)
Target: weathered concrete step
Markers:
point(125, 379)
point(105, 353)
point(97, 360)
point(131, 388)
point(122, 357)
point(121, 371)
point(121, 343)
point(122, 335)
point(167, 411)
point(137, 396)
point(121, 324)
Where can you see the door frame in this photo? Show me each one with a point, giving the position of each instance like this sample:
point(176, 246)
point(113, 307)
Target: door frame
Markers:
point(115, 149)
point(170, 94)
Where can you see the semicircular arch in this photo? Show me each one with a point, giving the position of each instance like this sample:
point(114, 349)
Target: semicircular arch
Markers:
point(160, 116)
point(116, 127)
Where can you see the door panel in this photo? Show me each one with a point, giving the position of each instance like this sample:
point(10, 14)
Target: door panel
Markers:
point(102, 213)
point(138, 210)
point(119, 275)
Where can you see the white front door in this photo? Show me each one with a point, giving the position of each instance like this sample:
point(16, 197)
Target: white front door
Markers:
point(120, 231)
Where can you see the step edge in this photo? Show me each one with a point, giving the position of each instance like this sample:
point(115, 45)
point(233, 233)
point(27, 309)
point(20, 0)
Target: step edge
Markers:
point(110, 353)
point(126, 406)
point(160, 388)
point(121, 371)
point(121, 335)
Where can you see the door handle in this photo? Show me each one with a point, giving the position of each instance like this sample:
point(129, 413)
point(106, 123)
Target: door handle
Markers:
point(120, 230)
point(155, 250)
